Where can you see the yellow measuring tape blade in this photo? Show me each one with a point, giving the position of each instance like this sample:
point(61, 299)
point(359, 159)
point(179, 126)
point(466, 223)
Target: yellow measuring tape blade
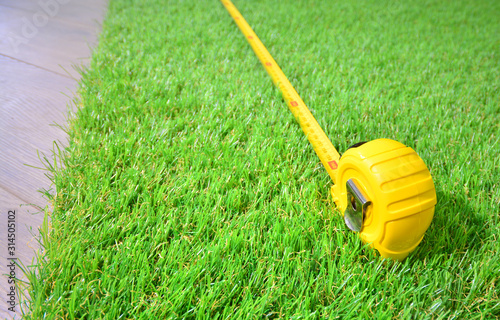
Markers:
point(316, 136)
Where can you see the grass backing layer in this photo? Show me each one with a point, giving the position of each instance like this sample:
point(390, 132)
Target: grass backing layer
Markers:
point(188, 190)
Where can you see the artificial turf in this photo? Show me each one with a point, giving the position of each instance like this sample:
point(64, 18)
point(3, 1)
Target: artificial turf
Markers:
point(187, 189)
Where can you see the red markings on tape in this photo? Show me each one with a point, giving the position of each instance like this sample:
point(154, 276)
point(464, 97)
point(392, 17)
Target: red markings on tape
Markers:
point(294, 103)
point(333, 164)
point(250, 37)
point(268, 64)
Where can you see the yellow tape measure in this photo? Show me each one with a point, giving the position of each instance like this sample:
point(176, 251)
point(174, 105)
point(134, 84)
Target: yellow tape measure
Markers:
point(383, 188)
point(316, 136)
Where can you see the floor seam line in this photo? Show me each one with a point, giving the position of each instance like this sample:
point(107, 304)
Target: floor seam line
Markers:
point(39, 67)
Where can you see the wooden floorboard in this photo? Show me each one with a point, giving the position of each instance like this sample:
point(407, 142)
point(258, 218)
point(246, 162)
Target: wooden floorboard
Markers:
point(27, 224)
point(39, 45)
point(57, 42)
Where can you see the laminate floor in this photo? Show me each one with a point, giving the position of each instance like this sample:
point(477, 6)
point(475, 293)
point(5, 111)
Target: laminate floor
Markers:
point(41, 43)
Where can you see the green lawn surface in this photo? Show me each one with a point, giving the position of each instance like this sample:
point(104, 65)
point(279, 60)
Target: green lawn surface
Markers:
point(188, 190)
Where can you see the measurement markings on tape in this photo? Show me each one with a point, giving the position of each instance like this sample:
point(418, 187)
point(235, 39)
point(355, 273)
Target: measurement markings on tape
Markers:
point(325, 150)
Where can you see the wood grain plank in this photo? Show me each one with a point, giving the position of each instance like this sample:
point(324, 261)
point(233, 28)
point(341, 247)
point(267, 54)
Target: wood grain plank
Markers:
point(31, 99)
point(27, 220)
point(78, 12)
point(57, 43)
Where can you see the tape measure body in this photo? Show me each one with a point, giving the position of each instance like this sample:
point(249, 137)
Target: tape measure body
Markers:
point(402, 194)
point(383, 188)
